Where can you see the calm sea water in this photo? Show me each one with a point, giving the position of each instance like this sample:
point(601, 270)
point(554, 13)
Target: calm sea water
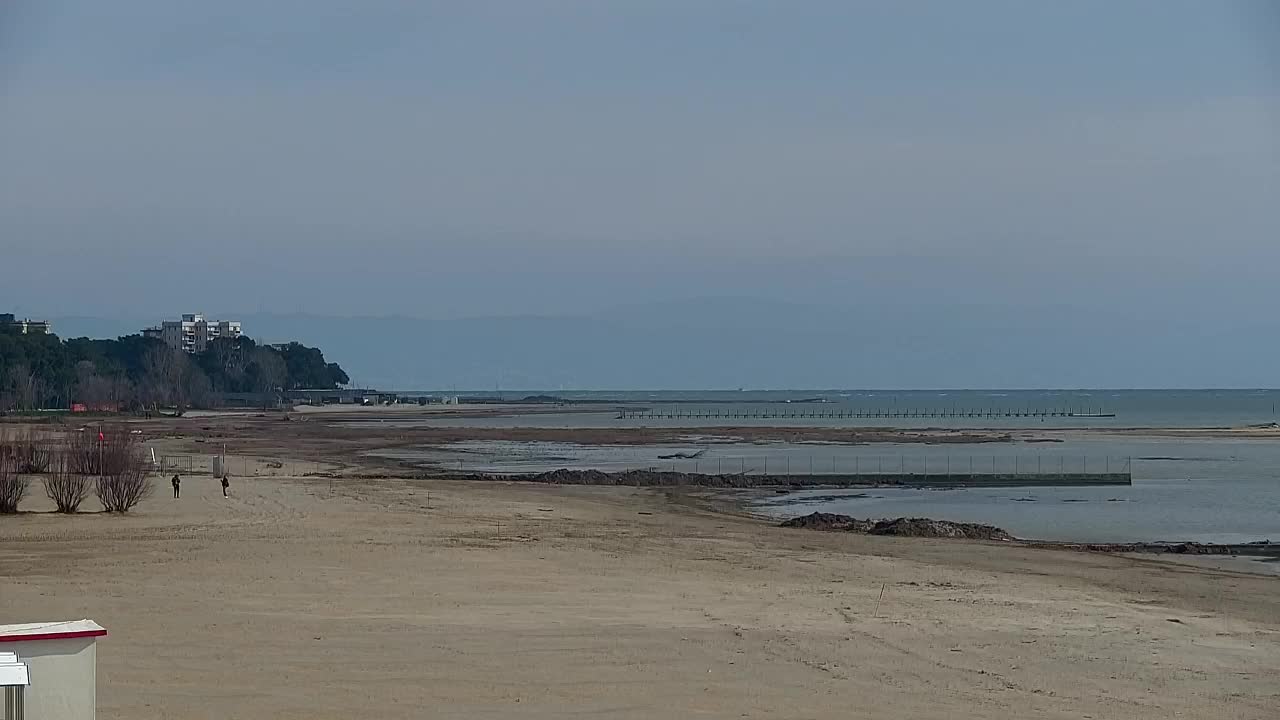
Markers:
point(1183, 489)
point(1132, 408)
point(1202, 489)
point(1199, 509)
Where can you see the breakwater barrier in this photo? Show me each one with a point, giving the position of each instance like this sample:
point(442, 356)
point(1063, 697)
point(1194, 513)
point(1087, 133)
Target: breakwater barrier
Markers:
point(819, 412)
point(899, 471)
point(1079, 468)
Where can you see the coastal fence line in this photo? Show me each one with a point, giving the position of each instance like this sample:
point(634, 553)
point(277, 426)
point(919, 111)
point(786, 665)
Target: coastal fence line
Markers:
point(846, 413)
point(814, 464)
point(241, 466)
point(933, 469)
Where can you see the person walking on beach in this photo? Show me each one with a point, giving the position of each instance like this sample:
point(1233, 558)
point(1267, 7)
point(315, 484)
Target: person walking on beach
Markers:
point(177, 487)
point(225, 484)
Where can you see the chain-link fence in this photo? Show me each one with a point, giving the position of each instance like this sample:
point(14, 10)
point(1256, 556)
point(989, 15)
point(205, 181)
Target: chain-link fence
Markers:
point(241, 466)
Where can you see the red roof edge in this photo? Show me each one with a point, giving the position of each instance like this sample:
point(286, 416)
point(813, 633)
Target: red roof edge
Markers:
point(52, 636)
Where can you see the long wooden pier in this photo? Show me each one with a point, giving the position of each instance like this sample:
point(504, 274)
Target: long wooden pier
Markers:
point(818, 413)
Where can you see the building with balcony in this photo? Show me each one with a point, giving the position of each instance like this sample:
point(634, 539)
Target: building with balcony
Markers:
point(193, 332)
point(10, 323)
point(13, 324)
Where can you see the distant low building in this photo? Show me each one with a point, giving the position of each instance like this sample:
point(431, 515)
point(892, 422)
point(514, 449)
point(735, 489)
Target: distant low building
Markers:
point(193, 332)
point(340, 396)
point(10, 323)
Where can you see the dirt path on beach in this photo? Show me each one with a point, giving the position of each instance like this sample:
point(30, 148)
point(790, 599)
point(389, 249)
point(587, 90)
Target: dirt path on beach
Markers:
point(410, 599)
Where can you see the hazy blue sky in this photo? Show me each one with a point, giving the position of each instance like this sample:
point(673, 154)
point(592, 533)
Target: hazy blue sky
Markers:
point(451, 159)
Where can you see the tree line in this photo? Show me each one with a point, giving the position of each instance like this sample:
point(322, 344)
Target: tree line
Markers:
point(137, 373)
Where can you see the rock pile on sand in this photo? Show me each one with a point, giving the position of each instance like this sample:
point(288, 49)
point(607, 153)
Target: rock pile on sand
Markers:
point(830, 521)
point(1254, 549)
point(926, 527)
point(901, 527)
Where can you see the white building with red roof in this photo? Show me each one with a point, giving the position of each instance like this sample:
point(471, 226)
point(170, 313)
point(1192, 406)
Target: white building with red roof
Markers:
point(50, 669)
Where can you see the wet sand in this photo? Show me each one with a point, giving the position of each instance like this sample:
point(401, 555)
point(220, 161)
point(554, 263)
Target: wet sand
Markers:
point(318, 598)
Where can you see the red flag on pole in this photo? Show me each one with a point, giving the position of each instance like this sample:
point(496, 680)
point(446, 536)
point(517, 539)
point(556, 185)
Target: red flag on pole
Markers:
point(101, 437)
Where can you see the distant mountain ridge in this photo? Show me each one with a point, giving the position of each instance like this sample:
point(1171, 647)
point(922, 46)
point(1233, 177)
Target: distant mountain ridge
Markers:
point(743, 342)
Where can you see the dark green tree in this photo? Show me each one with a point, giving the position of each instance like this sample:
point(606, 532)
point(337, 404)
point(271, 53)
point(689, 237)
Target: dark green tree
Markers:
point(42, 371)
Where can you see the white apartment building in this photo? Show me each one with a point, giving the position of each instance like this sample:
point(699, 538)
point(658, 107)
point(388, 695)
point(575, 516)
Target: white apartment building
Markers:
point(24, 327)
point(193, 332)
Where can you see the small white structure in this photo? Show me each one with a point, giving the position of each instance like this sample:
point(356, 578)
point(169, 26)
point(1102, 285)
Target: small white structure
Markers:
point(14, 679)
point(59, 662)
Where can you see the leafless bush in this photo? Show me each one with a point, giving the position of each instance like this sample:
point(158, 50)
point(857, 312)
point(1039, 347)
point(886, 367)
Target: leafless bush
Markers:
point(13, 485)
point(65, 488)
point(101, 451)
point(81, 449)
point(124, 487)
point(31, 454)
point(123, 472)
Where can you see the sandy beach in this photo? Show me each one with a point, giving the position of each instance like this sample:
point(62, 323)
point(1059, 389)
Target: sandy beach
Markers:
point(318, 598)
point(600, 360)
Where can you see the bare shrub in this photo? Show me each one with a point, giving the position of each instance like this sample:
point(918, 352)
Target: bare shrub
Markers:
point(123, 488)
point(13, 485)
point(100, 451)
point(65, 488)
point(118, 450)
point(32, 454)
point(85, 451)
point(123, 472)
